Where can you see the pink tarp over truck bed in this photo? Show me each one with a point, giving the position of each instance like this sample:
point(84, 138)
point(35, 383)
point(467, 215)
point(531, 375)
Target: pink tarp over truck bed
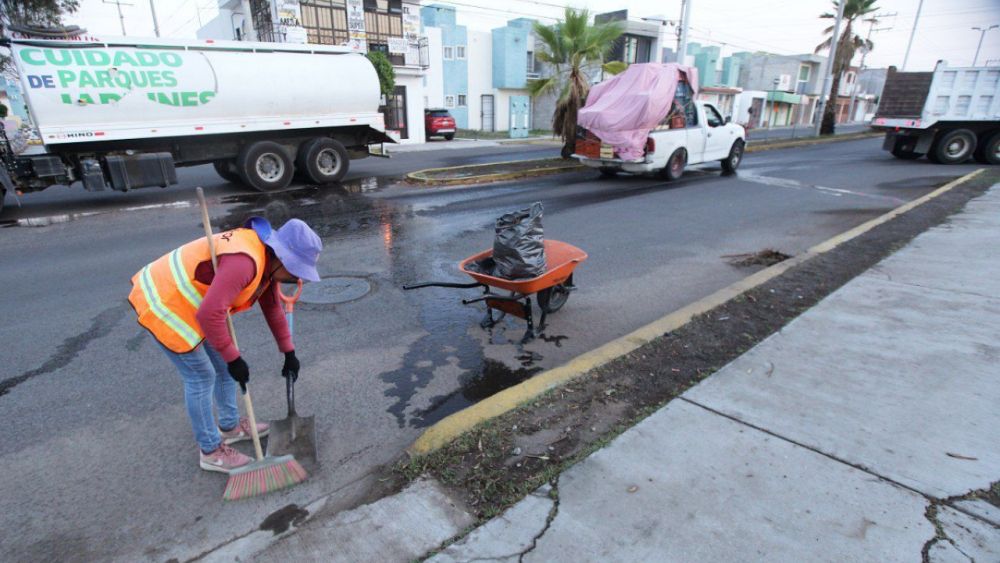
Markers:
point(622, 110)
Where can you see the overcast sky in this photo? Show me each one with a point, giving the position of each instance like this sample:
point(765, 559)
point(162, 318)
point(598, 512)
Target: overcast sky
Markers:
point(735, 25)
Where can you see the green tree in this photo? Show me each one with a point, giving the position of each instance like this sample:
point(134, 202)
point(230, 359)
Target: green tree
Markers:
point(386, 74)
point(42, 13)
point(570, 47)
point(847, 45)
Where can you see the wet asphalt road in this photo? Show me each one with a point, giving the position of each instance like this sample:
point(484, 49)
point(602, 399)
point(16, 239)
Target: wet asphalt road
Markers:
point(97, 460)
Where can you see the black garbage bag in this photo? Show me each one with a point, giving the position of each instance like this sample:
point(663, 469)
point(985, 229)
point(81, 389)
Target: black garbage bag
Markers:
point(519, 247)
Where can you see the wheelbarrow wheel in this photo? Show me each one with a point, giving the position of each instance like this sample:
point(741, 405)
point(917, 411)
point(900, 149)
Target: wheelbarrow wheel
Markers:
point(552, 299)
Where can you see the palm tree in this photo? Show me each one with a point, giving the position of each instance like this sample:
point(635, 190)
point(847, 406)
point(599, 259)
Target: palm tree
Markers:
point(572, 47)
point(847, 45)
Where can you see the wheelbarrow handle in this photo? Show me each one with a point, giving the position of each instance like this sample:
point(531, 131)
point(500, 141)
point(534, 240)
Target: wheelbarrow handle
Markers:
point(443, 284)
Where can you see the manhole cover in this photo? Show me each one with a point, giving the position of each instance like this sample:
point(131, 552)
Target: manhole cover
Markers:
point(335, 290)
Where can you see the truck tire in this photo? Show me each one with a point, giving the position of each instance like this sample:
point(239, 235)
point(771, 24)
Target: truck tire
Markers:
point(608, 172)
point(953, 147)
point(903, 149)
point(323, 160)
point(732, 162)
point(224, 168)
point(265, 166)
point(675, 165)
point(906, 155)
point(988, 151)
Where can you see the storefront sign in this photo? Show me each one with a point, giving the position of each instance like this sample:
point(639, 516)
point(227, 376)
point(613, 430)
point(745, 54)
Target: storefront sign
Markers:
point(398, 45)
point(357, 39)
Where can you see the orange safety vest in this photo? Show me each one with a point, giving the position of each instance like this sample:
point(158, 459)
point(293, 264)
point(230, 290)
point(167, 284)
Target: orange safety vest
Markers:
point(166, 295)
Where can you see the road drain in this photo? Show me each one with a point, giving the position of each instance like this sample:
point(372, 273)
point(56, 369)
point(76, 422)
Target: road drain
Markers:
point(334, 290)
point(766, 257)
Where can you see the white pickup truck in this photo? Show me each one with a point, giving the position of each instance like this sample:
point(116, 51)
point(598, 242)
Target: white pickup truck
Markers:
point(700, 135)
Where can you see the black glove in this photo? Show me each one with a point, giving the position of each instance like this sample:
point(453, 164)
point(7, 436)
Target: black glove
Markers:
point(240, 372)
point(291, 367)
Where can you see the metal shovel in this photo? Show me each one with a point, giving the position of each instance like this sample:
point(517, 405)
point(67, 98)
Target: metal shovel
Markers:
point(295, 435)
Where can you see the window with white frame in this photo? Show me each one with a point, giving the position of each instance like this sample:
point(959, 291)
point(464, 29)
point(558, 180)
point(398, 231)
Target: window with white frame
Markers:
point(462, 101)
point(803, 79)
point(448, 53)
point(460, 52)
point(449, 101)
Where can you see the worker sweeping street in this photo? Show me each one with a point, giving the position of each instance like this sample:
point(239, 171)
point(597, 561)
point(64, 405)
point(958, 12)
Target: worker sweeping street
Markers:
point(184, 304)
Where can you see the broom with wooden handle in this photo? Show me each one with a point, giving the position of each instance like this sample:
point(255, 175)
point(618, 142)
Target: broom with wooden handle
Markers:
point(267, 474)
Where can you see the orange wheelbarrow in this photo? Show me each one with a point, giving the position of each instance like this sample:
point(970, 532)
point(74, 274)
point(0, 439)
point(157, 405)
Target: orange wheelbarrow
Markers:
point(551, 289)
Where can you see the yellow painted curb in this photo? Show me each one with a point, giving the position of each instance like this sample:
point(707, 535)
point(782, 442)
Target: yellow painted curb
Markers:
point(807, 141)
point(495, 177)
point(456, 424)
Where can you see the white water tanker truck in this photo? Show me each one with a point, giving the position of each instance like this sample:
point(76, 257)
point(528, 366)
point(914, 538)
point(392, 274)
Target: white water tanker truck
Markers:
point(122, 114)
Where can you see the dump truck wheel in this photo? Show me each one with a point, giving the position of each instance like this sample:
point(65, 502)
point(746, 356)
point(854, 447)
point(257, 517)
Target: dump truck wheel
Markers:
point(225, 169)
point(953, 147)
point(988, 151)
point(265, 166)
point(323, 160)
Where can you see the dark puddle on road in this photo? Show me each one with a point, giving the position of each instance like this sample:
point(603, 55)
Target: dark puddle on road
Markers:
point(282, 519)
point(343, 212)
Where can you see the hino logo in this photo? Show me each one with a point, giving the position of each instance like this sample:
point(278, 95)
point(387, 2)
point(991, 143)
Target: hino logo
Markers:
point(83, 134)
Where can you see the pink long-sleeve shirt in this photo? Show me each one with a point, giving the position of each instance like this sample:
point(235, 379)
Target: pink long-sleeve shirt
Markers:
point(235, 273)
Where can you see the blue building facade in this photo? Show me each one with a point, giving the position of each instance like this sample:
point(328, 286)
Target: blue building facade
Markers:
point(455, 66)
point(510, 54)
point(15, 99)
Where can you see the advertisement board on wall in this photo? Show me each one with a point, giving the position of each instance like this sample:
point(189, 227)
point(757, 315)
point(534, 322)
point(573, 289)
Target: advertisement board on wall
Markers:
point(357, 38)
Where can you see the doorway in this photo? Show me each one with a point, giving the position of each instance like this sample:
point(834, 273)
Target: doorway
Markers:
point(486, 113)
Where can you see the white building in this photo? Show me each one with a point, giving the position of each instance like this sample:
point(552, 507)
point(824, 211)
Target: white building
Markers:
point(389, 26)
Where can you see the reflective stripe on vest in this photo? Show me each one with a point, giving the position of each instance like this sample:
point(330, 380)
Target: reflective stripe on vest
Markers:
point(166, 296)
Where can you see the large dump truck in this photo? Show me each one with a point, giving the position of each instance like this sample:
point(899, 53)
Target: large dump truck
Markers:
point(951, 114)
point(122, 114)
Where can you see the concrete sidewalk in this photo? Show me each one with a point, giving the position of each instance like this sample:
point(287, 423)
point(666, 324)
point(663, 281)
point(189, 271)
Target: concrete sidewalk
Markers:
point(845, 436)
point(855, 433)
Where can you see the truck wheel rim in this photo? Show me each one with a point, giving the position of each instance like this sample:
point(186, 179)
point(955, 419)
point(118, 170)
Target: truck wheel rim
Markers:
point(734, 161)
point(675, 164)
point(270, 167)
point(328, 162)
point(957, 147)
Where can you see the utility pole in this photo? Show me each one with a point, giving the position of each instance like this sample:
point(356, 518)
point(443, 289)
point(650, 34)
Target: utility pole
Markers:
point(774, 94)
point(834, 43)
point(156, 25)
point(682, 31)
point(912, 33)
point(982, 34)
point(121, 16)
point(871, 28)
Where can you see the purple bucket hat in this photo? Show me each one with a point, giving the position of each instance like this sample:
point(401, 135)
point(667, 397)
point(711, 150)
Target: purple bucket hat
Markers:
point(295, 244)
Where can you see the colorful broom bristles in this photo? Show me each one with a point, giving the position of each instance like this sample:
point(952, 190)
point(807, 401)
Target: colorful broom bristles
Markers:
point(264, 476)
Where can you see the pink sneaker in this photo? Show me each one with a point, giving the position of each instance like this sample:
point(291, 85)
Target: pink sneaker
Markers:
point(242, 432)
point(224, 459)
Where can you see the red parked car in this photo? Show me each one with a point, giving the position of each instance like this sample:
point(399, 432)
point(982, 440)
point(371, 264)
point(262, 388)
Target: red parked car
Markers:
point(439, 123)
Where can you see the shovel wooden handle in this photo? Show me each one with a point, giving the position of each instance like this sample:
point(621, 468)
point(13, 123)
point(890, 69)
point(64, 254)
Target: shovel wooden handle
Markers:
point(229, 321)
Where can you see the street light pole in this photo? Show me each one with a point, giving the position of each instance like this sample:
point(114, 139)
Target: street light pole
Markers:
point(774, 94)
point(982, 34)
point(156, 25)
point(683, 31)
point(864, 53)
point(912, 33)
point(834, 43)
point(121, 16)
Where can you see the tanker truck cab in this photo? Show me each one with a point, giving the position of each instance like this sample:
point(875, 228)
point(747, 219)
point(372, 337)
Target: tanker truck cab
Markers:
point(692, 133)
point(123, 113)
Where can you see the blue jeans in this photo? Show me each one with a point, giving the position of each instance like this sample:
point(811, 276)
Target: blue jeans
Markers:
point(206, 377)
